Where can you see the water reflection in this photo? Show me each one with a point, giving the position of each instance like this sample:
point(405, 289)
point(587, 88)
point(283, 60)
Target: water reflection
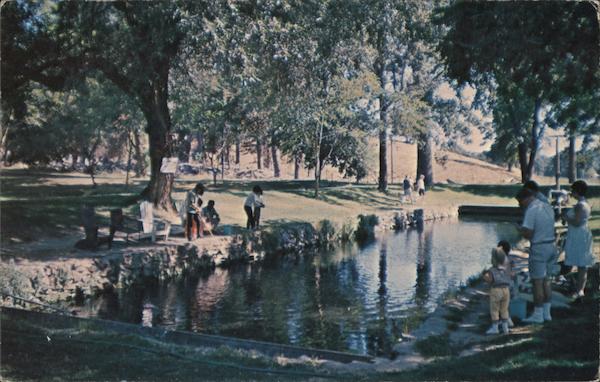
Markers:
point(207, 293)
point(351, 298)
point(423, 267)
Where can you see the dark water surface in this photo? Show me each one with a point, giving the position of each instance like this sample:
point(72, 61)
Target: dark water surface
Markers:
point(350, 299)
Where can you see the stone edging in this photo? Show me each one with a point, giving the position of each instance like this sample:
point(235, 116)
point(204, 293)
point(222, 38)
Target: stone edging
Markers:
point(87, 274)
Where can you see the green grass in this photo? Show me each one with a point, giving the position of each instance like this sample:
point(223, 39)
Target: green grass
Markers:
point(435, 346)
point(39, 204)
point(33, 353)
point(561, 350)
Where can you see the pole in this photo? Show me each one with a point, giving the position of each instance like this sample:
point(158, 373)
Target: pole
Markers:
point(557, 173)
point(392, 158)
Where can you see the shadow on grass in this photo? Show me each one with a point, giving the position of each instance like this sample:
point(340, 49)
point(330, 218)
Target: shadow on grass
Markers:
point(564, 349)
point(33, 210)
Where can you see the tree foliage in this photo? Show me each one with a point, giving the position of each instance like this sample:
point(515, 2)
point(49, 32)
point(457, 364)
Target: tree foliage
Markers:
point(532, 54)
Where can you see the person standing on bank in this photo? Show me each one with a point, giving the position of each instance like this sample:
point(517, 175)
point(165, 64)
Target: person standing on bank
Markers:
point(533, 186)
point(193, 202)
point(538, 228)
point(421, 185)
point(579, 243)
point(252, 207)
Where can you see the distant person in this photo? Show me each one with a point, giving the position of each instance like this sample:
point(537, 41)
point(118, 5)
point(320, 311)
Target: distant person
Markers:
point(252, 207)
point(421, 185)
point(538, 228)
point(579, 243)
point(210, 215)
point(499, 279)
point(533, 186)
point(193, 203)
point(407, 188)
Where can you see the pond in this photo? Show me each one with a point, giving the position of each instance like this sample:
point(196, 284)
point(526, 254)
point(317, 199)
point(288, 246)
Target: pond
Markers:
point(357, 299)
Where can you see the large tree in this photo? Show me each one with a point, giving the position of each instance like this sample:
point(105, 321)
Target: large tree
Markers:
point(532, 52)
point(133, 44)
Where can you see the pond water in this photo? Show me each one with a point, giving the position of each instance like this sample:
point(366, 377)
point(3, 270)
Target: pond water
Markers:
point(356, 299)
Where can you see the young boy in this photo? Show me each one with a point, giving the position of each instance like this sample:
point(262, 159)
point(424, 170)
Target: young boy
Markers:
point(500, 281)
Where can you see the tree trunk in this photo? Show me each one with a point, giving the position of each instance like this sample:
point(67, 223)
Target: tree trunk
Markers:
point(158, 190)
point(297, 160)
point(184, 144)
point(258, 154)
point(237, 151)
point(522, 148)
point(74, 158)
point(276, 170)
point(382, 182)
point(222, 165)
point(140, 160)
point(572, 157)
point(199, 146)
point(3, 148)
point(213, 168)
point(227, 154)
point(267, 156)
point(129, 157)
point(536, 135)
point(425, 158)
point(318, 160)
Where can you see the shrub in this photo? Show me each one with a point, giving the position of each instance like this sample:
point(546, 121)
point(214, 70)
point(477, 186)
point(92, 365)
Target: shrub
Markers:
point(325, 233)
point(366, 227)
point(346, 232)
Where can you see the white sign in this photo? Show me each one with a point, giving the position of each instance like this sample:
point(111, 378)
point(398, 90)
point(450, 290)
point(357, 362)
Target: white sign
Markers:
point(169, 165)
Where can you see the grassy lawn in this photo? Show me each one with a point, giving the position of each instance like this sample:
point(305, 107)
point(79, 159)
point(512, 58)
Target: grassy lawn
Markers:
point(565, 349)
point(30, 352)
point(39, 204)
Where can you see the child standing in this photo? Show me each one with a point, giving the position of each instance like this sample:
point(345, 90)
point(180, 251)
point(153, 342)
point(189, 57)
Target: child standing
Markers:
point(253, 201)
point(499, 280)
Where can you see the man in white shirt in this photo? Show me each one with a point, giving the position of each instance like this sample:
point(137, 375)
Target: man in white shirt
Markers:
point(538, 228)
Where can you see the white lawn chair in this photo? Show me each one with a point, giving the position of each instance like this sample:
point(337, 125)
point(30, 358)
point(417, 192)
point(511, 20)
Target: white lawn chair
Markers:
point(150, 226)
point(181, 212)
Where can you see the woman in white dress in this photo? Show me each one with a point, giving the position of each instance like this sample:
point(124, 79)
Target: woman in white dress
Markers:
point(578, 247)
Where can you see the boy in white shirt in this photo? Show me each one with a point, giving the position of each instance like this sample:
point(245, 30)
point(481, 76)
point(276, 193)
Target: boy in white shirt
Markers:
point(253, 201)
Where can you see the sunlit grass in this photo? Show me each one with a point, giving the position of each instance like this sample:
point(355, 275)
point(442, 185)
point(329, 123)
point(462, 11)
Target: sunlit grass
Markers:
point(36, 204)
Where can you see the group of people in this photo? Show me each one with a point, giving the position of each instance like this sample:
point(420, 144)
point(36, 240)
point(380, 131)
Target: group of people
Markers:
point(538, 228)
point(407, 187)
point(205, 219)
point(199, 219)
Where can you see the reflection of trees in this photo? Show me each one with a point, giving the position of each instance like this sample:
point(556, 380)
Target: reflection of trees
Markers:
point(332, 302)
point(423, 282)
point(173, 307)
point(208, 292)
point(108, 307)
point(382, 337)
